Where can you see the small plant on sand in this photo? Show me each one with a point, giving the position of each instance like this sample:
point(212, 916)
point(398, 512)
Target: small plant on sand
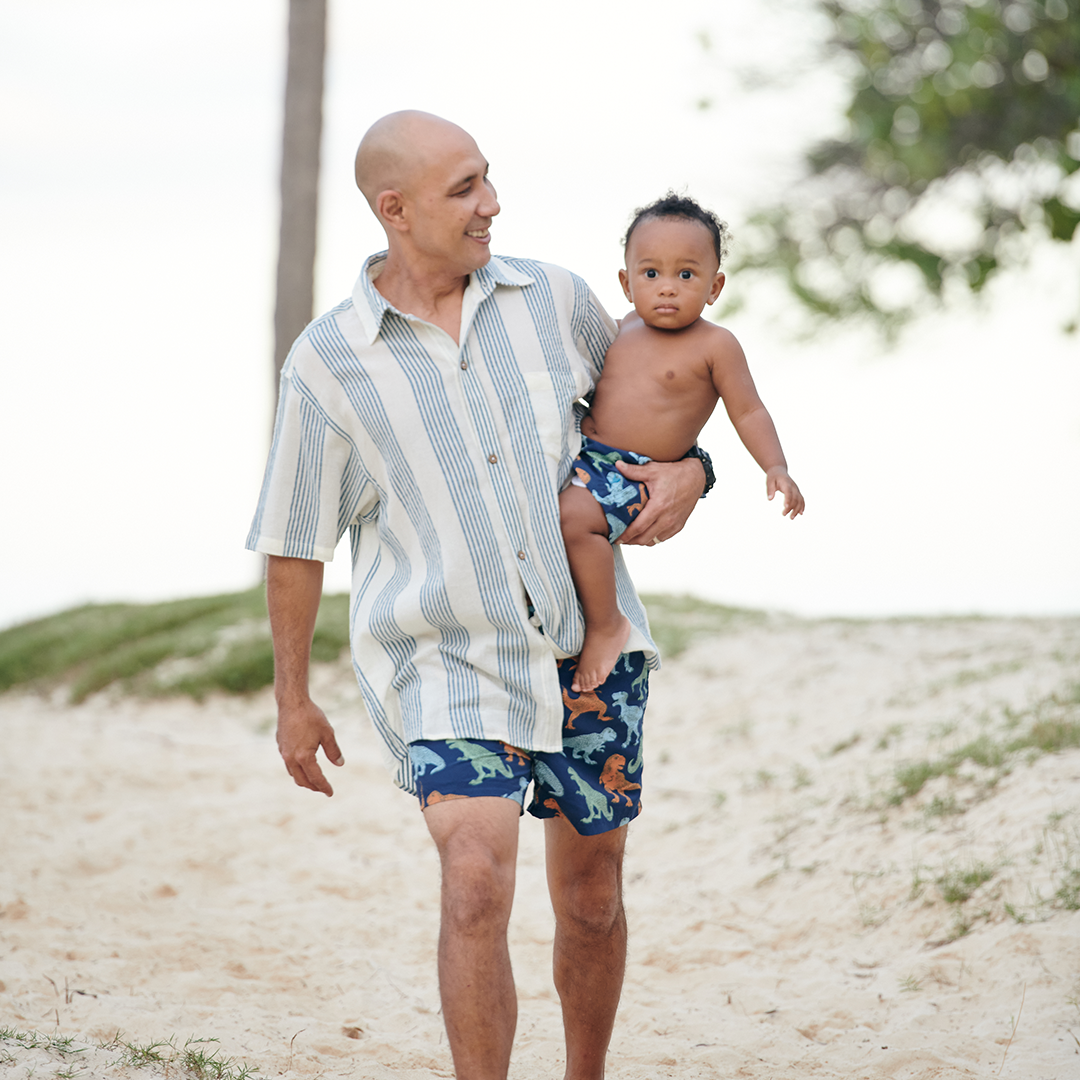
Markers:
point(910, 985)
point(957, 884)
point(193, 1061)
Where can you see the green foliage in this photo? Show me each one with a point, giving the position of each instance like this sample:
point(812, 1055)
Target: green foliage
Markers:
point(973, 104)
point(957, 884)
point(216, 642)
point(1052, 725)
point(675, 621)
point(222, 643)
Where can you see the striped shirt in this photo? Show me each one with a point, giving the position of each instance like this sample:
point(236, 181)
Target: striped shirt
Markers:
point(444, 463)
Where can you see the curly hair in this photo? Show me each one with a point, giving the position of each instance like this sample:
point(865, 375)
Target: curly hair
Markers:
point(682, 206)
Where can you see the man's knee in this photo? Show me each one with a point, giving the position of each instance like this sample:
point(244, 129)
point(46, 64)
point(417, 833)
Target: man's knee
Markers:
point(588, 899)
point(477, 842)
point(477, 890)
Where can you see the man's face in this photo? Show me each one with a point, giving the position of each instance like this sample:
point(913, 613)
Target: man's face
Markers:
point(671, 271)
point(452, 203)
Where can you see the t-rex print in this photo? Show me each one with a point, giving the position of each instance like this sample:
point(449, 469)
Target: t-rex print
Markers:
point(422, 757)
point(595, 800)
point(630, 715)
point(548, 778)
point(613, 780)
point(584, 703)
point(584, 746)
point(482, 760)
point(513, 752)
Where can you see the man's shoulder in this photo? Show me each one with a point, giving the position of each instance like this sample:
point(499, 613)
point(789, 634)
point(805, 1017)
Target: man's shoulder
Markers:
point(324, 336)
point(532, 272)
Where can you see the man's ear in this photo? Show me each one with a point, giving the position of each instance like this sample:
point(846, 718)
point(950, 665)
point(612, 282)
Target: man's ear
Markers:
point(717, 287)
point(624, 281)
point(390, 206)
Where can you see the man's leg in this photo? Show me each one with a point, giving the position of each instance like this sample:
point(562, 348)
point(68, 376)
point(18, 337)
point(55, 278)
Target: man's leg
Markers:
point(477, 841)
point(585, 881)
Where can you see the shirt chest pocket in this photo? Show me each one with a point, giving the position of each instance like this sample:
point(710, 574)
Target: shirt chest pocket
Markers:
point(552, 405)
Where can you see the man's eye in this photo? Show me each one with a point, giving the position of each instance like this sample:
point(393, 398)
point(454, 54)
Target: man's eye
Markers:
point(650, 273)
point(686, 275)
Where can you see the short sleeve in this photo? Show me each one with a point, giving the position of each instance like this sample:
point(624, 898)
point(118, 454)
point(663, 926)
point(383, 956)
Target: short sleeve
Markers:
point(314, 487)
point(593, 328)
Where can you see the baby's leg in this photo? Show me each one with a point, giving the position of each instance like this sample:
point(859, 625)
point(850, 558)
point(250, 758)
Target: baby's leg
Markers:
point(592, 565)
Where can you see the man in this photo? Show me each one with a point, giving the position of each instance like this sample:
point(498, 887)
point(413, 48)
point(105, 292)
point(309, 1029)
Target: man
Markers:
point(432, 415)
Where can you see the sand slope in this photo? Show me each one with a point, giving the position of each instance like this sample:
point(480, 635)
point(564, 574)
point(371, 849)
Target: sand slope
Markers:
point(161, 877)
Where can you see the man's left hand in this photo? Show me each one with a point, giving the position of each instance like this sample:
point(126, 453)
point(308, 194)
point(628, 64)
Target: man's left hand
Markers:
point(674, 489)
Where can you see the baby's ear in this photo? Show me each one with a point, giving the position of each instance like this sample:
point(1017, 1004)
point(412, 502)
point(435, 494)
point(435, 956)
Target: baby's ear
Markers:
point(624, 281)
point(717, 286)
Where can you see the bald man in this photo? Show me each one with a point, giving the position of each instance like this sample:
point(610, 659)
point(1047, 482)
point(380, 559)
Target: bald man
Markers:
point(432, 416)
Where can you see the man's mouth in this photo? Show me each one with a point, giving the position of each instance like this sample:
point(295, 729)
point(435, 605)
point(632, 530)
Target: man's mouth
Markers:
point(479, 234)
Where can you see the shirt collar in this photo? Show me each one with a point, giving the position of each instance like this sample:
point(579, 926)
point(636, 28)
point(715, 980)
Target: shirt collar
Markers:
point(371, 306)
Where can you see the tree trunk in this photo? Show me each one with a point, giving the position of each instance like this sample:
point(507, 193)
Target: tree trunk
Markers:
point(299, 176)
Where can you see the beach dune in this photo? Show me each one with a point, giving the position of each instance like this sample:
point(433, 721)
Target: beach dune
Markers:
point(859, 857)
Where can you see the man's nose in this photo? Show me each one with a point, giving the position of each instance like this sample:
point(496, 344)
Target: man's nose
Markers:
point(489, 206)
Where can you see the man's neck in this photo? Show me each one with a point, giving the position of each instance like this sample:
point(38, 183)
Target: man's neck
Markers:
point(426, 293)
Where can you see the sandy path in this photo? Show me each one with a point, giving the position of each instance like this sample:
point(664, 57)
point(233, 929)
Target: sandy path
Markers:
point(156, 862)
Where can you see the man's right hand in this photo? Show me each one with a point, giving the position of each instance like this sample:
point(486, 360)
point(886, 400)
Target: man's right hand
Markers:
point(302, 729)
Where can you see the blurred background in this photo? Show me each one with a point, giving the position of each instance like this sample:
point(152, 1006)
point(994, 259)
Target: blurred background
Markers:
point(900, 177)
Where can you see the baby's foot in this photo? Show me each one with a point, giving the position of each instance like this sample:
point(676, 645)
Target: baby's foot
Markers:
point(600, 653)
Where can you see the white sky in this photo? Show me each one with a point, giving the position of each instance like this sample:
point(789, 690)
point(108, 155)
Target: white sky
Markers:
point(138, 172)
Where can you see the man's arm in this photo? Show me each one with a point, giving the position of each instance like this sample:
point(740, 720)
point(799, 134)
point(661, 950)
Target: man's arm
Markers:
point(293, 592)
point(674, 490)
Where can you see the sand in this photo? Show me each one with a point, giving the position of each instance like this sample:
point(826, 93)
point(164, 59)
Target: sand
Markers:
point(161, 877)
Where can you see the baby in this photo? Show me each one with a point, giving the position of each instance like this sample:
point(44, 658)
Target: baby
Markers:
point(663, 376)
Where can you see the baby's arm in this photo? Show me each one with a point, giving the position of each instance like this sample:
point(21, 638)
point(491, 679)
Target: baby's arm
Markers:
point(750, 418)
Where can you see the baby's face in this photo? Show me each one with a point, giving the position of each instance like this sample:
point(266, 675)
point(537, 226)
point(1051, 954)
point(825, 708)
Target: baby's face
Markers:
point(671, 271)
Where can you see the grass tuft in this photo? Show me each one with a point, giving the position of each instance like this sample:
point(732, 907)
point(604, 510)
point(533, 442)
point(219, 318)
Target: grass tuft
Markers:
point(675, 621)
point(211, 643)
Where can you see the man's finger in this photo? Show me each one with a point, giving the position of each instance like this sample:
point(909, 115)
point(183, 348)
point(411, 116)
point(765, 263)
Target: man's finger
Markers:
point(314, 776)
point(333, 751)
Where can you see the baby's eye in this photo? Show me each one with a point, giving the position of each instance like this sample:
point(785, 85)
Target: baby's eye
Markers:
point(686, 275)
point(650, 273)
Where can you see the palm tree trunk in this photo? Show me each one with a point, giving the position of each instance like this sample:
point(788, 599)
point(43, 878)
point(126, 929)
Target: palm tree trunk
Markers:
point(299, 175)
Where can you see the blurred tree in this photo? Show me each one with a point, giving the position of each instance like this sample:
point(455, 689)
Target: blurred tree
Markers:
point(301, 140)
point(963, 148)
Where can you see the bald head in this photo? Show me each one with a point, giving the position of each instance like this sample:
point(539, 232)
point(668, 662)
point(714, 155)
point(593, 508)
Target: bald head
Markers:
point(400, 148)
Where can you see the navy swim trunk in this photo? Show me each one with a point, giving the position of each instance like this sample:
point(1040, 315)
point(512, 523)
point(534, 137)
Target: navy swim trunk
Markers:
point(619, 498)
point(595, 783)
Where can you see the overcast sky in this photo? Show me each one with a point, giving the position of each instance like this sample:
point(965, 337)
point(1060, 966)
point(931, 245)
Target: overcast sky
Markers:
point(138, 180)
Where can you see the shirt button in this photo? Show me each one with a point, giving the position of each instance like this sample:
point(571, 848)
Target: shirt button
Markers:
point(464, 365)
point(493, 459)
point(521, 555)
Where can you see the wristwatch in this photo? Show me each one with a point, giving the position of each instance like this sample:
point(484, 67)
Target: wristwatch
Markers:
point(706, 464)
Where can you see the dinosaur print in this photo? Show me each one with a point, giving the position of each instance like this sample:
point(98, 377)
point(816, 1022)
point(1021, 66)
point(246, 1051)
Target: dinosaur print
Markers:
point(422, 757)
point(438, 797)
point(595, 800)
point(630, 715)
point(586, 702)
point(584, 746)
point(513, 752)
point(614, 781)
point(519, 795)
point(548, 778)
point(551, 804)
point(483, 761)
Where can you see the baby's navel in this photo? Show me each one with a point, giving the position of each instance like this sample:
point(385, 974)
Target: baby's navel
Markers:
point(671, 374)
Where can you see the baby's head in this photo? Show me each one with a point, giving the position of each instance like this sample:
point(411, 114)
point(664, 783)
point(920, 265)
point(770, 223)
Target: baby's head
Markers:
point(674, 250)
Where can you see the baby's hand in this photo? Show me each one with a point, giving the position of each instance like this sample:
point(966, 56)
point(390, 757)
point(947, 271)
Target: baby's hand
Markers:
point(777, 479)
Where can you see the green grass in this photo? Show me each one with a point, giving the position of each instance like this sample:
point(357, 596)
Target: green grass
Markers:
point(1053, 725)
point(675, 621)
point(222, 643)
